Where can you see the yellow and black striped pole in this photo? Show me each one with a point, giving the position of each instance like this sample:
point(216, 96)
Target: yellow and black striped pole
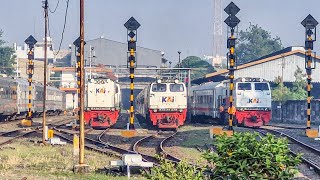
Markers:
point(308, 69)
point(30, 41)
point(132, 25)
point(231, 44)
point(310, 36)
point(232, 21)
point(131, 61)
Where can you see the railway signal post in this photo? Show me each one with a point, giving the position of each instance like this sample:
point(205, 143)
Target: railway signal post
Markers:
point(232, 21)
point(310, 24)
point(132, 26)
point(30, 41)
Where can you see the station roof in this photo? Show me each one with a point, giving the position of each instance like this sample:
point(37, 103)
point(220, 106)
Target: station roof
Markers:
point(72, 69)
point(220, 75)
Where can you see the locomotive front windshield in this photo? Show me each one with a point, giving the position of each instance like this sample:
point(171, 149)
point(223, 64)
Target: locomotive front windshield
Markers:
point(159, 87)
point(261, 86)
point(244, 86)
point(176, 88)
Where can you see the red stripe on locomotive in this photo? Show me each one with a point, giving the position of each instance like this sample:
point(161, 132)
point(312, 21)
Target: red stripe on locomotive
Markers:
point(168, 119)
point(101, 118)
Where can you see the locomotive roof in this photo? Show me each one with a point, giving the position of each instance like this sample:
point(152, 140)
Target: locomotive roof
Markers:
point(205, 86)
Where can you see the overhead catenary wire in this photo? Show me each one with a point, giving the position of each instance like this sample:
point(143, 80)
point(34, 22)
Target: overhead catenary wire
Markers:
point(54, 8)
point(64, 27)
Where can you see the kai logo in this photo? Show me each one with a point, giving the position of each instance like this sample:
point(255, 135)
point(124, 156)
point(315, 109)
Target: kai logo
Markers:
point(101, 91)
point(254, 100)
point(167, 99)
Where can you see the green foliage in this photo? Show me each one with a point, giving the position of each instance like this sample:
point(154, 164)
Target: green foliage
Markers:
point(256, 42)
point(281, 92)
point(251, 156)
point(168, 170)
point(201, 67)
point(297, 92)
point(7, 59)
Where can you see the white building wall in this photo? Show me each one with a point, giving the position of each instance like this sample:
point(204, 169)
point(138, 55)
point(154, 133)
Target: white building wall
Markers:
point(68, 80)
point(69, 100)
point(272, 69)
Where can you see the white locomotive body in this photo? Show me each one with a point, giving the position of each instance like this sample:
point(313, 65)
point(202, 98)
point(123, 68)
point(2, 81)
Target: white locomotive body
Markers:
point(103, 101)
point(163, 103)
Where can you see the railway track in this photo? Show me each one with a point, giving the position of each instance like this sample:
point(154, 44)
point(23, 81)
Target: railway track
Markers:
point(15, 134)
point(23, 132)
point(311, 155)
point(154, 145)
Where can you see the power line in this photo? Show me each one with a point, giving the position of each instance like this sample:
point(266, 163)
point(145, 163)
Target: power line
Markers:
point(54, 8)
point(64, 27)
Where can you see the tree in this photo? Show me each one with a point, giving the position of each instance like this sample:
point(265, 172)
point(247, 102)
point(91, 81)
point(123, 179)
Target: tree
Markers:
point(201, 67)
point(254, 43)
point(298, 89)
point(281, 92)
point(7, 59)
point(297, 92)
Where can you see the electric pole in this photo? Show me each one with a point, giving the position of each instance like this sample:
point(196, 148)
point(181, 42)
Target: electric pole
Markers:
point(82, 85)
point(45, 71)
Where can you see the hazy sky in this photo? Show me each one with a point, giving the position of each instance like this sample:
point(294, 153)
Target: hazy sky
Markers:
point(166, 25)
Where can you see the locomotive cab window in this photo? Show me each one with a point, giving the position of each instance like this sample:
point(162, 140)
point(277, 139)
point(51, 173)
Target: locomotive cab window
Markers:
point(176, 88)
point(244, 86)
point(159, 88)
point(261, 86)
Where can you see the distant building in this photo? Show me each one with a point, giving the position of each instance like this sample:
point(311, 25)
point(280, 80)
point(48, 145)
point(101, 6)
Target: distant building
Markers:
point(22, 52)
point(216, 61)
point(54, 58)
point(113, 53)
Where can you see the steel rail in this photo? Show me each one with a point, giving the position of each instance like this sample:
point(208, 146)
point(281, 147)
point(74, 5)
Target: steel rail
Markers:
point(168, 155)
point(145, 157)
point(299, 143)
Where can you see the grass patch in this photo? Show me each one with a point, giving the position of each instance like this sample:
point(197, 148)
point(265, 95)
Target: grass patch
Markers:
point(25, 159)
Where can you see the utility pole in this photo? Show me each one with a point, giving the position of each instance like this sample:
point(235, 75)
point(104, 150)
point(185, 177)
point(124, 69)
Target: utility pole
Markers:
point(82, 85)
point(179, 65)
point(45, 71)
point(81, 167)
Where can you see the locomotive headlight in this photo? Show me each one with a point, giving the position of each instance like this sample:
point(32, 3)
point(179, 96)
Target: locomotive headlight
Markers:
point(176, 81)
point(243, 80)
point(155, 110)
point(180, 110)
point(108, 80)
point(159, 81)
point(91, 80)
point(112, 109)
